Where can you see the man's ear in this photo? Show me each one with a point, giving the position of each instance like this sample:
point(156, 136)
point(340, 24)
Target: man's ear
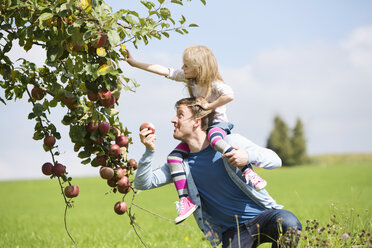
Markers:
point(197, 123)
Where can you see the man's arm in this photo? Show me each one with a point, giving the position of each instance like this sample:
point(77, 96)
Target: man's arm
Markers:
point(245, 151)
point(147, 177)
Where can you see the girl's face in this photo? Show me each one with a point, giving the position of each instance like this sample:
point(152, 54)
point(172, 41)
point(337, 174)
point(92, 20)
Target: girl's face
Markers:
point(189, 70)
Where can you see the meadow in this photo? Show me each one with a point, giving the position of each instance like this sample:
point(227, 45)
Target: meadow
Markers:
point(333, 190)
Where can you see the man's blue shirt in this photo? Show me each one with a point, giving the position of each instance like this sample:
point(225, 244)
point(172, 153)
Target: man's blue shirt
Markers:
point(211, 178)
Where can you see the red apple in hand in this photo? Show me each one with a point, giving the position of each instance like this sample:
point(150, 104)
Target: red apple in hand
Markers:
point(120, 207)
point(72, 191)
point(149, 126)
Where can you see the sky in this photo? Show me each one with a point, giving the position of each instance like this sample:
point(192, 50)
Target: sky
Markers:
point(298, 59)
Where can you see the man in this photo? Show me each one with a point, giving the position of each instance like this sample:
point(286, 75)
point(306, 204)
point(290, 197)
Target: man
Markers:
point(216, 184)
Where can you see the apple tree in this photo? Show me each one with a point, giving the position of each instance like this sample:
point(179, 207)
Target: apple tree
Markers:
point(84, 42)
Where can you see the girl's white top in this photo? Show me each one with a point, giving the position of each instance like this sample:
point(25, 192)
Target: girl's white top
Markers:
point(217, 89)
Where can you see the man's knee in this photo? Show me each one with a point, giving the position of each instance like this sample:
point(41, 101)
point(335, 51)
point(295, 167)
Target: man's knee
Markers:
point(290, 227)
point(288, 220)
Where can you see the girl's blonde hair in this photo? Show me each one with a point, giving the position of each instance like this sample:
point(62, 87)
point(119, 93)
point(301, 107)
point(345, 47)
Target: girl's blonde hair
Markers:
point(204, 62)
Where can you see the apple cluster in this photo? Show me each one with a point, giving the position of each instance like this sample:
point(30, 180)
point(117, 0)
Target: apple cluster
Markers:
point(57, 170)
point(101, 137)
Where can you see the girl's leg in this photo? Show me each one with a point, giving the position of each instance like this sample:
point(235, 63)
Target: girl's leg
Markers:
point(175, 159)
point(185, 206)
point(216, 138)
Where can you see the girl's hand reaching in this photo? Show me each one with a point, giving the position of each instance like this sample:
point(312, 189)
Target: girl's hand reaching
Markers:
point(129, 58)
point(203, 103)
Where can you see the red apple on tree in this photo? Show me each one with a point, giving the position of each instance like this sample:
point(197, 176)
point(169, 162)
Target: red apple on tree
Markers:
point(92, 96)
point(104, 127)
point(98, 141)
point(120, 207)
point(112, 182)
point(59, 170)
point(101, 160)
point(124, 182)
point(106, 172)
point(115, 150)
point(71, 191)
point(102, 41)
point(70, 102)
point(108, 103)
point(149, 126)
point(122, 141)
point(49, 141)
point(124, 189)
point(132, 163)
point(37, 93)
point(47, 169)
point(92, 126)
point(116, 131)
point(104, 95)
point(119, 173)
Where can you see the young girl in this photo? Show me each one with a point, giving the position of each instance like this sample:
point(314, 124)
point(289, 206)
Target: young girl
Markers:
point(203, 81)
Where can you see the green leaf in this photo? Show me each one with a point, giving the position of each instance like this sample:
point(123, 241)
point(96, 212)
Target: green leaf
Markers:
point(45, 16)
point(148, 4)
point(84, 154)
point(86, 161)
point(193, 25)
point(177, 2)
point(77, 133)
point(111, 111)
point(38, 136)
point(114, 38)
point(37, 109)
point(183, 20)
point(104, 69)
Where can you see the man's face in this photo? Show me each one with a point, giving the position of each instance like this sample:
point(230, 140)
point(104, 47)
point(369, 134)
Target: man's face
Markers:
point(183, 123)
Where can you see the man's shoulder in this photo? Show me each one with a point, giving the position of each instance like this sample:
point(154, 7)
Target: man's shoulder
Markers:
point(235, 137)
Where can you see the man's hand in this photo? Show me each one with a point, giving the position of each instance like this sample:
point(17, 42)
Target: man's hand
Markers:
point(147, 138)
point(237, 157)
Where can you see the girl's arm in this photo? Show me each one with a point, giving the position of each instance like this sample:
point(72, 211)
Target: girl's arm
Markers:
point(222, 100)
point(154, 68)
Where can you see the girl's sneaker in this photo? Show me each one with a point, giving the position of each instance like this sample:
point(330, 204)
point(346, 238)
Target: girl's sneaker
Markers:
point(252, 177)
point(185, 208)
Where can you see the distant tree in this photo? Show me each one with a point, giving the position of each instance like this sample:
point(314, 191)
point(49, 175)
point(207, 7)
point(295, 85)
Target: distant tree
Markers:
point(280, 142)
point(298, 143)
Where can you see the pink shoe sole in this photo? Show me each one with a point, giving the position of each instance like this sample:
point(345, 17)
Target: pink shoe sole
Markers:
point(179, 219)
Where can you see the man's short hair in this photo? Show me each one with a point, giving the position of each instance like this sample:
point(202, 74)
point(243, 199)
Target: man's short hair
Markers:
point(198, 112)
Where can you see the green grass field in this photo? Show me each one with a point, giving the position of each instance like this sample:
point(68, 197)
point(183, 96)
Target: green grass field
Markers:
point(31, 212)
